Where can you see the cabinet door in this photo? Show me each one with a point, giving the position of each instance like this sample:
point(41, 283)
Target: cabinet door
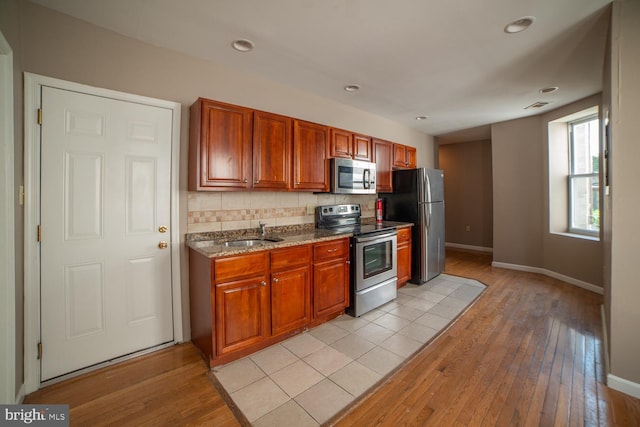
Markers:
point(220, 146)
point(290, 300)
point(404, 256)
point(330, 287)
point(404, 157)
point(383, 156)
point(272, 144)
point(341, 143)
point(242, 314)
point(290, 288)
point(399, 156)
point(411, 157)
point(362, 148)
point(310, 156)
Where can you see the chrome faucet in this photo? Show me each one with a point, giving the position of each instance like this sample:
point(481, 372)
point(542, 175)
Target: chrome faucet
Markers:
point(263, 229)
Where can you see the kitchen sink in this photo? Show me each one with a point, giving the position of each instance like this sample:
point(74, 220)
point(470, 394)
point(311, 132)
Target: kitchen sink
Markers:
point(251, 242)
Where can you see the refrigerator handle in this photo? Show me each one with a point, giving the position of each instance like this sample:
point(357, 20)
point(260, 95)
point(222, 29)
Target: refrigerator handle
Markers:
point(428, 187)
point(428, 218)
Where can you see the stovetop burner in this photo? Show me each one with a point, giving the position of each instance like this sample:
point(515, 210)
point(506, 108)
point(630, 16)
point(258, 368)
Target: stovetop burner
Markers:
point(346, 218)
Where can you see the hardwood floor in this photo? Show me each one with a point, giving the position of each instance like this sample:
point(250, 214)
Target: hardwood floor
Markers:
point(528, 352)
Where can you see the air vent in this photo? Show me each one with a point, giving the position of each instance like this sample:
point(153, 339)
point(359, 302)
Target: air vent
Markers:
point(538, 104)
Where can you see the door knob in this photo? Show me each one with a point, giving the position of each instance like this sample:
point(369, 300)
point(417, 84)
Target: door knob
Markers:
point(163, 244)
point(162, 229)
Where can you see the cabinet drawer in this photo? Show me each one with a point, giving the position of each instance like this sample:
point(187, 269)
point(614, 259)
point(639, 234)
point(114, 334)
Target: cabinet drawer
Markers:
point(331, 249)
point(404, 234)
point(237, 267)
point(294, 256)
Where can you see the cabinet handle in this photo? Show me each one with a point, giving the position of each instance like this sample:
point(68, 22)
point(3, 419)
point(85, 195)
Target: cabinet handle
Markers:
point(245, 180)
point(276, 280)
point(348, 261)
point(263, 283)
point(332, 250)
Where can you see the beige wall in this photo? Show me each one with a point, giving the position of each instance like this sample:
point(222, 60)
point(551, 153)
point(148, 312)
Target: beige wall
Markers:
point(516, 148)
point(625, 196)
point(575, 257)
point(468, 193)
point(10, 25)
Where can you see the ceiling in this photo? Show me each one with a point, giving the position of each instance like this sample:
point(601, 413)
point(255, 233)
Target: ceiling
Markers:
point(448, 60)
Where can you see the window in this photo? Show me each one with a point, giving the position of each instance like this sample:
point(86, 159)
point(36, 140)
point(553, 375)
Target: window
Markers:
point(584, 187)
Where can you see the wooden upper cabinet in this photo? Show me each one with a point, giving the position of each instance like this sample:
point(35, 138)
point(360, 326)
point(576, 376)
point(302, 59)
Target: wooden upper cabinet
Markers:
point(362, 148)
point(310, 154)
point(383, 157)
point(341, 143)
point(220, 146)
point(404, 156)
point(272, 151)
point(350, 145)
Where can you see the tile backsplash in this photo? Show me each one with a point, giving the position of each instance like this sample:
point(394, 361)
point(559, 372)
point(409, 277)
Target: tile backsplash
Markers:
point(221, 211)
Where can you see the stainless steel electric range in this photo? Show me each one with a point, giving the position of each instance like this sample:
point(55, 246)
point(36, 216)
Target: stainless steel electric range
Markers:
point(373, 256)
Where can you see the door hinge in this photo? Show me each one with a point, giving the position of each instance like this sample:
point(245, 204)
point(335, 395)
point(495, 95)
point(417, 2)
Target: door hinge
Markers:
point(39, 351)
point(39, 116)
point(39, 232)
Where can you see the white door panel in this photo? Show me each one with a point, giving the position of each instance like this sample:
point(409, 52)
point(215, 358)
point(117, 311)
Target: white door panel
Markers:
point(105, 192)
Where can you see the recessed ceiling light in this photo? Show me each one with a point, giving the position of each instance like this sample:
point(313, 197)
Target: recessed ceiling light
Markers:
point(352, 88)
point(548, 89)
point(242, 45)
point(422, 118)
point(519, 24)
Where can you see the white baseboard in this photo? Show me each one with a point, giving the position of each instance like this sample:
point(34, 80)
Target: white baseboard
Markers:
point(469, 247)
point(570, 280)
point(624, 386)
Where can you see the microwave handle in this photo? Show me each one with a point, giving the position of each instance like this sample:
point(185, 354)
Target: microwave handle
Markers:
point(366, 178)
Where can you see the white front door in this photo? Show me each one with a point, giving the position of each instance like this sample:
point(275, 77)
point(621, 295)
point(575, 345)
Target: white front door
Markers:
point(105, 209)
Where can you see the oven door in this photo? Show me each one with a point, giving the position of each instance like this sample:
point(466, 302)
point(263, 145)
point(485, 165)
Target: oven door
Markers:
point(375, 259)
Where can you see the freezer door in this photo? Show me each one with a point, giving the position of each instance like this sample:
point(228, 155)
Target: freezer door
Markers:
point(434, 185)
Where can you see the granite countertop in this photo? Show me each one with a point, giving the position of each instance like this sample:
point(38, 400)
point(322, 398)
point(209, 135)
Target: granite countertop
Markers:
point(212, 245)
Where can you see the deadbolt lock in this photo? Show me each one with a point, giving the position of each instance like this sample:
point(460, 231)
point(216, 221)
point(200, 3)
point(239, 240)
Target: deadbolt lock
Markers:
point(163, 244)
point(162, 229)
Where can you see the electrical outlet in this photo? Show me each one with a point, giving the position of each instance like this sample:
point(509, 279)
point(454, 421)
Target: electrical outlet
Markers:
point(468, 228)
point(310, 209)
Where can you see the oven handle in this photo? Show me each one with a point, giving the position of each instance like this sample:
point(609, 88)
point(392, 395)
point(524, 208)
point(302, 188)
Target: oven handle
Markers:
point(376, 237)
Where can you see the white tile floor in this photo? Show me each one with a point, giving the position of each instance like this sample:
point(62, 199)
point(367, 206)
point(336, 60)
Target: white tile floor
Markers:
point(307, 379)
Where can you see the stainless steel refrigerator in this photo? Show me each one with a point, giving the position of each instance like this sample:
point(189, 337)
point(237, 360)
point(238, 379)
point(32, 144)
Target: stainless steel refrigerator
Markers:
point(418, 197)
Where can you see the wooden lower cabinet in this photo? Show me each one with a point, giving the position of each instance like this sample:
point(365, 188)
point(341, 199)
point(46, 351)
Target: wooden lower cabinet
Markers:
point(243, 303)
point(290, 288)
point(330, 277)
point(404, 256)
point(241, 314)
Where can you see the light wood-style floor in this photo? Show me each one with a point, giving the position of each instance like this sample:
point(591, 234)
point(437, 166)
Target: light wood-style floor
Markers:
point(528, 352)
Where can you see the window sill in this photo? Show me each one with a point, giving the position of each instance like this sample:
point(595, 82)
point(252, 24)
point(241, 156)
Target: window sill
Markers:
point(577, 236)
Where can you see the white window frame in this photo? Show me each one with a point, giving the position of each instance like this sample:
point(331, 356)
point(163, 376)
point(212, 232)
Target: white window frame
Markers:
point(572, 176)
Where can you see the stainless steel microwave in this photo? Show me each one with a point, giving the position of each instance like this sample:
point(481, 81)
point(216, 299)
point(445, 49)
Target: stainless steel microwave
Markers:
point(352, 176)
